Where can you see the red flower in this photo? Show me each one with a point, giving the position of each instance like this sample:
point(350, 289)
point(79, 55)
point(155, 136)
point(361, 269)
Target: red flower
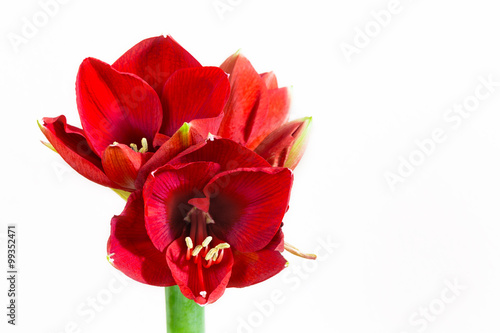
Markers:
point(256, 115)
point(130, 109)
point(209, 219)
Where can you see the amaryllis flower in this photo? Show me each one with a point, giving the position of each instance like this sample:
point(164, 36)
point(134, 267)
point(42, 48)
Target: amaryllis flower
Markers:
point(134, 107)
point(256, 114)
point(209, 219)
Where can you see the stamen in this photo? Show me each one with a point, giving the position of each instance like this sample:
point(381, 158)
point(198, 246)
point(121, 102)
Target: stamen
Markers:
point(222, 246)
point(218, 258)
point(206, 241)
point(189, 242)
point(144, 144)
point(134, 147)
point(293, 250)
point(197, 250)
point(211, 253)
point(203, 294)
point(208, 264)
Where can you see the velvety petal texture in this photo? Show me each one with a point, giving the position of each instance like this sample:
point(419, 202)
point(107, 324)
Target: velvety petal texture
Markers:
point(130, 249)
point(285, 146)
point(115, 107)
point(249, 207)
point(122, 164)
point(227, 153)
point(71, 144)
point(193, 93)
point(155, 60)
point(256, 105)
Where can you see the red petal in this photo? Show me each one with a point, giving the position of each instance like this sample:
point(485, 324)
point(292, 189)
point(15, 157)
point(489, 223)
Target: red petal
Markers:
point(122, 164)
point(131, 250)
point(186, 273)
point(73, 147)
point(193, 93)
point(246, 110)
point(270, 80)
point(115, 107)
point(207, 126)
point(166, 194)
point(285, 146)
point(254, 267)
point(202, 204)
point(185, 137)
point(154, 60)
point(248, 205)
point(228, 154)
point(278, 242)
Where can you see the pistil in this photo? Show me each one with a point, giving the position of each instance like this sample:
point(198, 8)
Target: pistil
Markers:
point(202, 255)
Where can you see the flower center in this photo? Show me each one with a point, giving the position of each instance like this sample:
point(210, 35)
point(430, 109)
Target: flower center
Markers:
point(198, 248)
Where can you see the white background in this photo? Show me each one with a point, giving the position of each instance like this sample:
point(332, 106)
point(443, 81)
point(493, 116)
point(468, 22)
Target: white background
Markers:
point(393, 251)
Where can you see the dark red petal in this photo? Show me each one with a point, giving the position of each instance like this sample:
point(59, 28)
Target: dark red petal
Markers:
point(193, 93)
point(186, 274)
point(154, 60)
point(115, 107)
point(254, 267)
point(285, 146)
point(131, 250)
point(248, 205)
point(185, 137)
point(73, 147)
point(227, 153)
point(122, 164)
point(166, 195)
point(246, 110)
point(277, 115)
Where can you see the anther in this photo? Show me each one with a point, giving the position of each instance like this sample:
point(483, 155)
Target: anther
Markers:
point(144, 144)
point(197, 250)
point(211, 253)
point(206, 241)
point(222, 246)
point(189, 242)
point(134, 147)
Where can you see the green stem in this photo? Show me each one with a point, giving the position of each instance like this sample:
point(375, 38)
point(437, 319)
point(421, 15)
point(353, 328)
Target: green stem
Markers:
point(183, 315)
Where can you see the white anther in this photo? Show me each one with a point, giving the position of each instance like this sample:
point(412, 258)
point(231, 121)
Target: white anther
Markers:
point(134, 147)
point(222, 246)
point(211, 253)
point(144, 144)
point(197, 250)
point(189, 242)
point(206, 241)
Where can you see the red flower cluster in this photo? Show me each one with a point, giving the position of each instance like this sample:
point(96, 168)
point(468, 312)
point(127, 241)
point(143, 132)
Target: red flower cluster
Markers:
point(206, 153)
